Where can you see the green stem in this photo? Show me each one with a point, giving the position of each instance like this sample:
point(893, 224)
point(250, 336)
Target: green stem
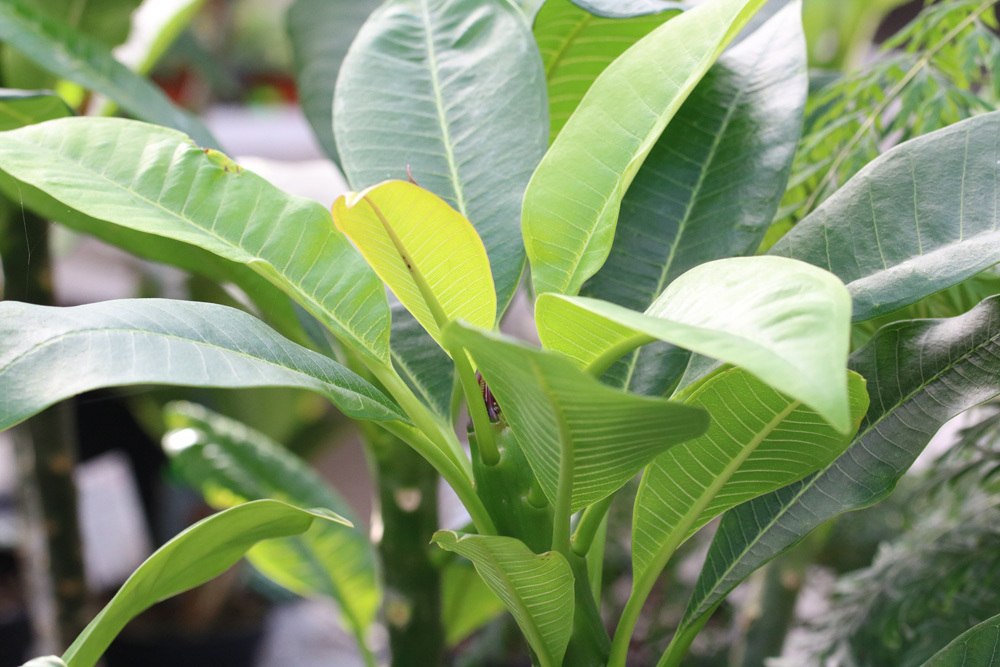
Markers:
point(485, 437)
point(562, 511)
point(681, 641)
point(598, 366)
point(590, 522)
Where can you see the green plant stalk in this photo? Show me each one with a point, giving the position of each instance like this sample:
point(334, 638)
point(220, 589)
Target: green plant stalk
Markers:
point(407, 487)
point(589, 524)
point(46, 451)
point(562, 509)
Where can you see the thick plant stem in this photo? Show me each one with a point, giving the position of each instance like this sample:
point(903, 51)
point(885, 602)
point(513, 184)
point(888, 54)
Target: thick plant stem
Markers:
point(407, 490)
point(46, 455)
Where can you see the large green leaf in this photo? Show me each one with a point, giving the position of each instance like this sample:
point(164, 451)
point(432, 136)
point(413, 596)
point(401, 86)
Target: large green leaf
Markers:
point(420, 361)
point(918, 219)
point(712, 183)
point(467, 603)
point(560, 415)
point(48, 354)
point(202, 552)
point(784, 321)
point(571, 204)
point(466, 80)
point(75, 56)
point(26, 107)
point(920, 373)
point(320, 32)
point(231, 463)
point(536, 589)
point(576, 46)
point(425, 251)
point(979, 646)
point(759, 440)
point(152, 180)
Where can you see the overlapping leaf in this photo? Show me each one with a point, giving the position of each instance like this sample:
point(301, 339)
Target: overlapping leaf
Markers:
point(577, 45)
point(202, 552)
point(421, 362)
point(536, 589)
point(466, 76)
point(152, 182)
point(426, 252)
point(759, 440)
point(557, 411)
point(25, 107)
point(921, 374)
point(784, 321)
point(231, 463)
point(572, 202)
point(977, 647)
point(86, 61)
point(48, 354)
point(920, 218)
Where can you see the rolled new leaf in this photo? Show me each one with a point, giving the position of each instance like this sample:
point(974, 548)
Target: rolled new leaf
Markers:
point(49, 354)
point(202, 552)
point(536, 589)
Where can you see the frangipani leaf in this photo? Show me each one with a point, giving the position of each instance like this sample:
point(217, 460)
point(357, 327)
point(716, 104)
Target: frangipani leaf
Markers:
point(86, 61)
point(920, 373)
point(572, 201)
point(152, 180)
point(555, 411)
point(916, 220)
point(536, 589)
point(49, 354)
point(979, 646)
point(466, 76)
point(576, 46)
point(231, 463)
point(26, 107)
point(425, 251)
point(784, 321)
point(202, 552)
point(758, 441)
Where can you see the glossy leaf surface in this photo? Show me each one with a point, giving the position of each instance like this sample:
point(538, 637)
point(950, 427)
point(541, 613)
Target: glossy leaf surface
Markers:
point(916, 220)
point(572, 202)
point(536, 589)
point(784, 321)
point(49, 354)
point(558, 412)
point(153, 181)
point(202, 552)
point(758, 441)
point(231, 463)
point(920, 374)
point(977, 647)
point(424, 250)
point(466, 76)
point(86, 61)
point(576, 46)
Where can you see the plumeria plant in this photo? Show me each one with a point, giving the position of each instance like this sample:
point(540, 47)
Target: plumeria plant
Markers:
point(633, 155)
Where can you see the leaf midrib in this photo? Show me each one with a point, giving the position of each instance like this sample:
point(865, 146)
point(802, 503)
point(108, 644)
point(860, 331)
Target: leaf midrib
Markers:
point(819, 474)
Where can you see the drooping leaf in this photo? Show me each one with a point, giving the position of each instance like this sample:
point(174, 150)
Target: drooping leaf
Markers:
point(320, 32)
point(576, 46)
point(918, 219)
point(424, 250)
point(623, 9)
point(536, 589)
point(50, 354)
point(758, 441)
point(557, 411)
point(153, 181)
point(26, 107)
point(979, 646)
point(467, 77)
point(711, 185)
point(571, 204)
point(920, 374)
point(75, 56)
point(231, 463)
point(202, 552)
point(467, 603)
point(784, 321)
